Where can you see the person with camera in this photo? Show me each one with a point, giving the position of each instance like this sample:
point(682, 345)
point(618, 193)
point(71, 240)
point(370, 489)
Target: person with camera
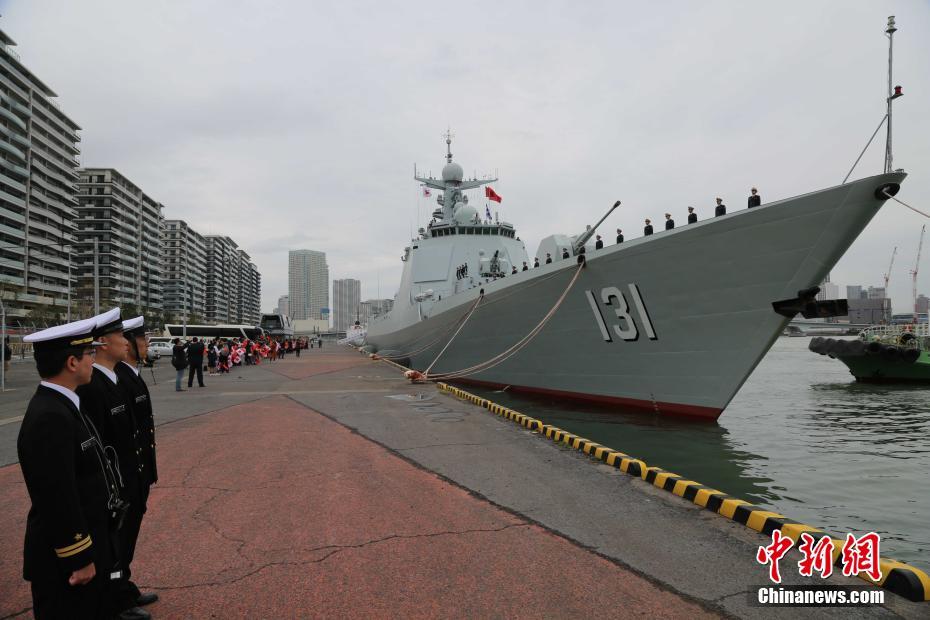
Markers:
point(106, 405)
point(179, 361)
point(74, 493)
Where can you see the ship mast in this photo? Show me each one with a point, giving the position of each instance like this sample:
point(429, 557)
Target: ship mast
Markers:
point(893, 92)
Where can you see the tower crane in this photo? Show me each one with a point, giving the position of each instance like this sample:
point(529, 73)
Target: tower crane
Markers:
point(890, 265)
point(914, 272)
point(885, 311)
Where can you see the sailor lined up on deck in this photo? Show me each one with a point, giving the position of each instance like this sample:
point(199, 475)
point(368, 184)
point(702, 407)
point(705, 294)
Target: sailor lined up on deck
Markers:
point(754, 199)
point(692, 216)
point(647, 229)
point(721, 208)
point(619, 236)
point(599, 244)
point(669, 222)
point(461, 271)
point(536, 262)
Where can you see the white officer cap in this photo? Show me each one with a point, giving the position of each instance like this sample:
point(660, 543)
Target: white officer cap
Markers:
point(107, 323)
point(74, 334)
point(135, 327)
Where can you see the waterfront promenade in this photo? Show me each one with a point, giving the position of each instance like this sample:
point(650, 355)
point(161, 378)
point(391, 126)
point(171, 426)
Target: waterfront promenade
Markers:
point(328, 486)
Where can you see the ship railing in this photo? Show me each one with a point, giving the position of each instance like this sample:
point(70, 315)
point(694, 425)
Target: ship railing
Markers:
point(884, 332)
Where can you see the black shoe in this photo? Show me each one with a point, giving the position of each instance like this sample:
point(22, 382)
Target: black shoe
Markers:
point(146, 598)
point(134, 613)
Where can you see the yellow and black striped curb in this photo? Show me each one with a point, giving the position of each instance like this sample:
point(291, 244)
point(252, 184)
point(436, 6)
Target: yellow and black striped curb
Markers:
point(907, 581)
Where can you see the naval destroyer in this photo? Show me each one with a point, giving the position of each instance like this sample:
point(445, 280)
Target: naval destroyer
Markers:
point(672, 323)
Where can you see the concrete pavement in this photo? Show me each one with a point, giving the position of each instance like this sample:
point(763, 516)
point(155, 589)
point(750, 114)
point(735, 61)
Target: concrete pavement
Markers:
point(330, 486)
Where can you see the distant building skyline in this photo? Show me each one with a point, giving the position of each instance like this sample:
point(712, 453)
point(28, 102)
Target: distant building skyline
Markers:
point(284, 306)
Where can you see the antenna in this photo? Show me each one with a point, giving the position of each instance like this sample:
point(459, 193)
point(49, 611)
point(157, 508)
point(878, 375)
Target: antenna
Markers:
point(448, 136)
point(916, 267)
point(893, 93)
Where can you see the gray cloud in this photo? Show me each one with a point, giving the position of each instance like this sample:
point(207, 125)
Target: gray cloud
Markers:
point(297, 124)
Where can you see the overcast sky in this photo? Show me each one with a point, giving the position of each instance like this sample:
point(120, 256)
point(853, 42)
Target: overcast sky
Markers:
point(296, 124)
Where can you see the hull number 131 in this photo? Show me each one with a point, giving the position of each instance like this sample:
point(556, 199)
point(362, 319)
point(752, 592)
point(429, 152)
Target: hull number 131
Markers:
point(612, 298)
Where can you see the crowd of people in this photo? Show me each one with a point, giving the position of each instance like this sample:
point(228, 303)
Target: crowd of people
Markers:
point(219, 355)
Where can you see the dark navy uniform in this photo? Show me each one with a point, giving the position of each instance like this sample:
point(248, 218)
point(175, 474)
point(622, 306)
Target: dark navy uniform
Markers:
point(105, 403)
point(68, 525)
point(692, 218)
point(599, 244)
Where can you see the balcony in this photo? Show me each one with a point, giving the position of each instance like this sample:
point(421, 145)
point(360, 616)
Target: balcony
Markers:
point(12, 215)
point(9, 148)
point(10, 116)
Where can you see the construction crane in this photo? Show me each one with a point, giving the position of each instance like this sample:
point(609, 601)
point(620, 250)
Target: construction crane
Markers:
point(886, 312)
point(914, 272)
point(890, 265)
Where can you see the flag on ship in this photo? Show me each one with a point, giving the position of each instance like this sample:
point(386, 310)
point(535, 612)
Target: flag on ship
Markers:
point(490, 194)
point(487, 211)
point(426, 192)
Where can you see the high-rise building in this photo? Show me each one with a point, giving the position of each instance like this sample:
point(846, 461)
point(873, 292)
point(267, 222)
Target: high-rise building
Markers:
point(876, 292)
point(38, 173)
point(307, 284)
point(854, 291)
point(283, 306)
point(346, 298)
point(184, 260)
point(233, 283)
point(923, 303)
point(246, 305)
point(126, 224)
point(828, 290)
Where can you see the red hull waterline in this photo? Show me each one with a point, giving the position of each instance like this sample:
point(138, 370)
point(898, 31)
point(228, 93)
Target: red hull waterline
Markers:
point(707, 414)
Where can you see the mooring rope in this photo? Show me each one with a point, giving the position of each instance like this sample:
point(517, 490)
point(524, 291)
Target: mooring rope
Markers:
point(467, 316)
point(905, 204)
point(513, 350)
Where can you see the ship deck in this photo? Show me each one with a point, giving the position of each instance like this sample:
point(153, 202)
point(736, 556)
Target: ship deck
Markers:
point(328, 486)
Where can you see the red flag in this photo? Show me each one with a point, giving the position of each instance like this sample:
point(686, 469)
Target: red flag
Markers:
point(491, 194)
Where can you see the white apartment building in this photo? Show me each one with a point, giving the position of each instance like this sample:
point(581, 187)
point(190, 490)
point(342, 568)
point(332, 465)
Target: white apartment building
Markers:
point(38, 183)
point(184, 263)
point(126, 225)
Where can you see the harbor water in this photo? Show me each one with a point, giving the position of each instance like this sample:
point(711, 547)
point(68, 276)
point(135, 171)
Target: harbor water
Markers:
point(801, 438)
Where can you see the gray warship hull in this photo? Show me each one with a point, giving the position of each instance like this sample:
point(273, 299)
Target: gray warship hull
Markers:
point(673, 323)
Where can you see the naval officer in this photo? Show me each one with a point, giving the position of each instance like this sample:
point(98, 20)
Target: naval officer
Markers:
point(68, 553)
point(106, 405)
point(619, 236)
point(647, 229)
point(754, 199)
point(599, 244)
point(692, 216)
point(669, 222)
point(720, 209)
point(136, 392)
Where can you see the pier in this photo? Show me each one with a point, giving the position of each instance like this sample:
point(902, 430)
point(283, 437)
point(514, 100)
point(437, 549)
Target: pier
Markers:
point(329, 486)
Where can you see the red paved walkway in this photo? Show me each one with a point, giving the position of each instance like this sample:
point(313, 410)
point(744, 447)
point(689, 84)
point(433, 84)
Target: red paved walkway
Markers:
point(271, 510)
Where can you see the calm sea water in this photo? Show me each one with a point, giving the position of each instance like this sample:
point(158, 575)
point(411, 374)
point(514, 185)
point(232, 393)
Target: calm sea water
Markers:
point(801, 438)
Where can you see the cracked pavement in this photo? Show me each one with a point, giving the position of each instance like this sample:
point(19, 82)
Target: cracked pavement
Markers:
point(323, 487)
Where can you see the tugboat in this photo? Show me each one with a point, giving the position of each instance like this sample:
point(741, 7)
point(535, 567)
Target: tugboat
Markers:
point(672, 323)
point(883, 353)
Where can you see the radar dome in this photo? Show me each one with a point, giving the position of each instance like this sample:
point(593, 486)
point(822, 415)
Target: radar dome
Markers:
point(464, 214)
point(452, 172)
